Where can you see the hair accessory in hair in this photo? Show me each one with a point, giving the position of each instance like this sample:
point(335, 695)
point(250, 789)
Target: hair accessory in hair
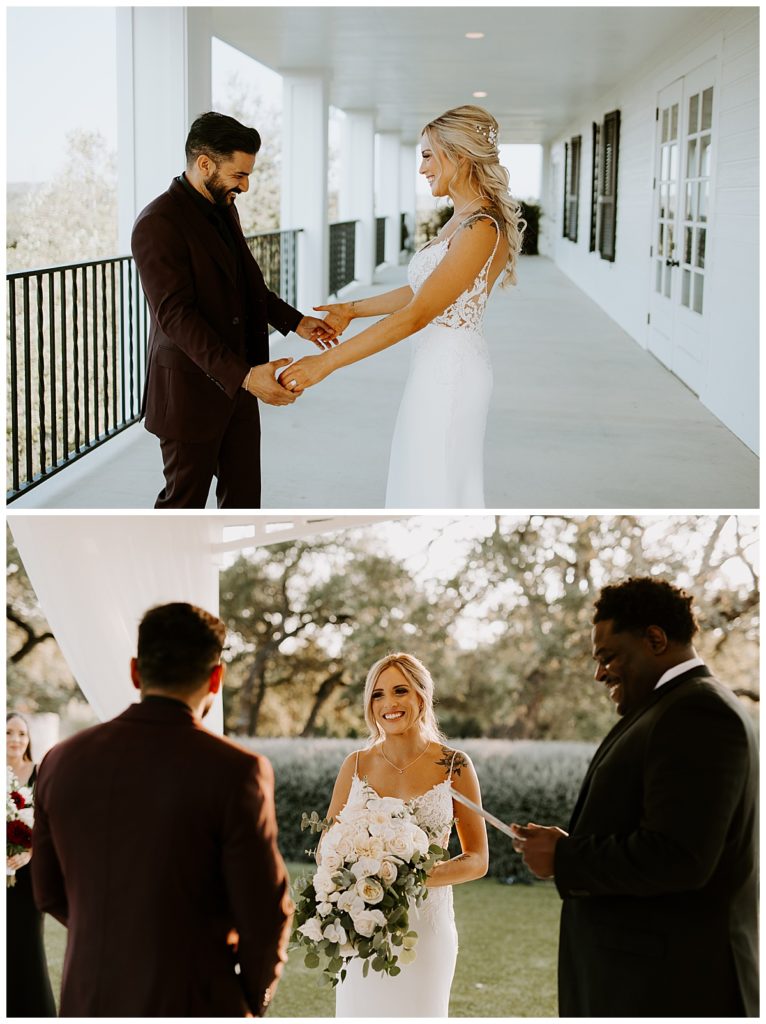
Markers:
point(490, 134)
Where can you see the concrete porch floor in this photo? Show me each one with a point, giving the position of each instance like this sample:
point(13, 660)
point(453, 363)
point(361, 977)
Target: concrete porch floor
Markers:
point(581, 418)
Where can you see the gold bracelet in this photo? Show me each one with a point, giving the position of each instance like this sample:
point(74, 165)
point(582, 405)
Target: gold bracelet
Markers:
point(247, 379)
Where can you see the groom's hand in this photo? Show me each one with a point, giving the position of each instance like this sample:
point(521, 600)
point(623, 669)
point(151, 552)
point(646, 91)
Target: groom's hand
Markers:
point(260, 381)
point(537, 845)
point(322, 334)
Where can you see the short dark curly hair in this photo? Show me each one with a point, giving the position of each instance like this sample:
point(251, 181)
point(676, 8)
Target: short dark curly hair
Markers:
point(643, 601)
point(218, 136)
point(179, 645)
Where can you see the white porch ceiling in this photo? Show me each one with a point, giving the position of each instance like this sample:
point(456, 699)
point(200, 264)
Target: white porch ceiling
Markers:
point(538, 65)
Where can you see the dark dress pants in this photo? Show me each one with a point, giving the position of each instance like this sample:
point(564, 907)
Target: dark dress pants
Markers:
point(234, 458)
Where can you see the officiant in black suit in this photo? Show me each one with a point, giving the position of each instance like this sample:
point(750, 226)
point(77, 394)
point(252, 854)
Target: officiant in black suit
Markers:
point(208, 362)
point(658, 874)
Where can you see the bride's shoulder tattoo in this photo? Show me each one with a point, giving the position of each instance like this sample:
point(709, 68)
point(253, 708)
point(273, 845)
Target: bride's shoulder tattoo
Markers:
point(460, 760)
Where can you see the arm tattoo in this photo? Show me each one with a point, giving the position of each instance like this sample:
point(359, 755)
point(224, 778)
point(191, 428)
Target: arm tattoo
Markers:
point(461, 761)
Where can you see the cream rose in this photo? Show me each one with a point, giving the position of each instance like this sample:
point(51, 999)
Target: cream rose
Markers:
point(312, 929)
point(335, 933)
point(366, 866)
point(367, 921)
point(388, 872)
point(370, 890)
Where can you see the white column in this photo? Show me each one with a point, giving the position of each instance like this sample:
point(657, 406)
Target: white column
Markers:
point(164, 82)
point(357, 188)
point(408, 170)
point(305, 111)
point(389, 205)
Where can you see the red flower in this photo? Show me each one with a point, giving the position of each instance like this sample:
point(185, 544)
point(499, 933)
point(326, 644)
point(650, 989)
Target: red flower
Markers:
point(18, 799)
point(19, 834)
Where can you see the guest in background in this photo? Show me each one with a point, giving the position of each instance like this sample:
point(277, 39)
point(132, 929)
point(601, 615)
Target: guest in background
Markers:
point(28, 986)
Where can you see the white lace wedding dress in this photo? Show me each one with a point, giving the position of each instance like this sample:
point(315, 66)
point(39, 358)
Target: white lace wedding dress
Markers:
point(437, 451)
point(423, 987)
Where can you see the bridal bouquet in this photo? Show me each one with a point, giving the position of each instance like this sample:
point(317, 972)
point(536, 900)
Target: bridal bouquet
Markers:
point(19, 817)
point(375, 858)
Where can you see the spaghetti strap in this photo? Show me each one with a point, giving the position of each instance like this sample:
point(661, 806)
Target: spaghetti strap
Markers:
point(477, 216)
point(454, 755)
point(356, 765)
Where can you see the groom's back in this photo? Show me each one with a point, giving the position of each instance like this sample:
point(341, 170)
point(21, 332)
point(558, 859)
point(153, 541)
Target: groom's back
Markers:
point(143, 814)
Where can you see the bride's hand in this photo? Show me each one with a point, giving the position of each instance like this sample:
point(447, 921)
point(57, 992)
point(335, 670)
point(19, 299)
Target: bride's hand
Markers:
point(304, 373)
point(339, 315)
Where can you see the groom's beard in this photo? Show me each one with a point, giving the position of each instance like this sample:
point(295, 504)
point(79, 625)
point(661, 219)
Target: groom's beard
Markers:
point(219, 191)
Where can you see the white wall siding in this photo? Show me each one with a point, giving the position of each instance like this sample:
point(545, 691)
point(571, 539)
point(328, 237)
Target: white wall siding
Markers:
point(729, 373)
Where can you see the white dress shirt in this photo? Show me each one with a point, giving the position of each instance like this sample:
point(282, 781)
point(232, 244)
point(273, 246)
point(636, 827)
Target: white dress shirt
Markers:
point(678, 670)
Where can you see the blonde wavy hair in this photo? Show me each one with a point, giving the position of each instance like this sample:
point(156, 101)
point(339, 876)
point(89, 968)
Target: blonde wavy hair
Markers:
point(469, 133)
point(418, 676)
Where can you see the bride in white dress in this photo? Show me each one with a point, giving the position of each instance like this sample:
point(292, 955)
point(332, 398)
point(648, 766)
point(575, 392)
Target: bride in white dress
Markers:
point(408, 759)
point(437, 452)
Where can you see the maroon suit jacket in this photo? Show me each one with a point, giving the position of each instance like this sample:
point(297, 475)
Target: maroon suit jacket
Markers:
point(199, 304)
point(153, 840)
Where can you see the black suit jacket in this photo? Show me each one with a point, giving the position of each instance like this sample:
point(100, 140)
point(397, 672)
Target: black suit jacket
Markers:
point(153, 841)
point(200, 294)
point(659, 873)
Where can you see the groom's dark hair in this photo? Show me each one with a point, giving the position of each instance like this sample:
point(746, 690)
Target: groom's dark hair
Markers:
point(643, 601)
point(179, 645)
point(218, 136)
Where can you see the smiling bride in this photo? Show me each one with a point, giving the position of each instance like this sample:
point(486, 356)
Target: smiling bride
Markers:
point(407, 758)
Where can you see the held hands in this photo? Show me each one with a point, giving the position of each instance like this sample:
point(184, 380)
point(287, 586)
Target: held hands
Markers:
point(339, 315)
point(321, 332)
point(537, 845)
point(304, 373)
point(260, 382)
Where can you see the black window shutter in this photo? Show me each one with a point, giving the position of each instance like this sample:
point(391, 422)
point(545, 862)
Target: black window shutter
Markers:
point(572, 189)
point(566, 187)
point(610, 145)
point(594, 187)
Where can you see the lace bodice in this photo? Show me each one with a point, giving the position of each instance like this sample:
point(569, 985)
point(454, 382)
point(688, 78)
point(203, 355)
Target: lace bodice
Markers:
point(467, 311)
point(432, 810)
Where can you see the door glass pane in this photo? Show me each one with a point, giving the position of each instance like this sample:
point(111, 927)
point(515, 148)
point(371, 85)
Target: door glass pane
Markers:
point(665, 163)
point(685, 283)
point(693, 114)
point(674, 122)
point(691, 159)
point(673, 160)
point(699, 284)
point(687, 245)
point(661, 238)
point(704, 195)
point(665, 125)
point(700, 261)
point(667, 282)
point(689, 208)
point(658, 277)
point(705, 156)
point(671, 200)
point(707, 109)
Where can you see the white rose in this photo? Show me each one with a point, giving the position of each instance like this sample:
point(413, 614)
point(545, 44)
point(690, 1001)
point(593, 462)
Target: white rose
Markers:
point(323, 884)
point(335, 933)
point(387, 805)
point(346, 949)
point(343, 847)
point(370, 890)
point(366, 866)
point(324, 909)
point(331, 859)
point(388, 872)
point(419, 839)
point(362, 845)
point(27, 815)
point(312, 929)
point(401, 845)
point(367, 921)
point(376, 847)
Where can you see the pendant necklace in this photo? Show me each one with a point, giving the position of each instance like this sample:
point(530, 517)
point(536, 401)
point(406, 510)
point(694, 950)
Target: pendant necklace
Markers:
point(396, 767)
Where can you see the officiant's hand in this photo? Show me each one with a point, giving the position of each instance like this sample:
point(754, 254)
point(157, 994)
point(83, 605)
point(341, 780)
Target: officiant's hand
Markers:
point(537, 845)
point(320, 332)
point(304, 373)
point(260, 381)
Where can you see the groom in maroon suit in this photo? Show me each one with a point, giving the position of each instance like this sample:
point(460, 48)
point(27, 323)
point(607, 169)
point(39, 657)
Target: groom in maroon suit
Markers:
point(155, 844)
point(208, 362)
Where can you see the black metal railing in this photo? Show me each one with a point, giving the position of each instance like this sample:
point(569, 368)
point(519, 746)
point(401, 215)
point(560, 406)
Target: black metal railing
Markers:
point(77, 338)
point(276, 253)
point(342, 254)
point(380, 240)
point(77, 343)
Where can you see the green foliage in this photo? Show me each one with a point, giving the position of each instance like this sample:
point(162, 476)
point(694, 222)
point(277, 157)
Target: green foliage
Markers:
point(532, 214)
point(520, 781)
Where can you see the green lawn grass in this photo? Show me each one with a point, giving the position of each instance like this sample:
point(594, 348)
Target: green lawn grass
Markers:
point(506, 966)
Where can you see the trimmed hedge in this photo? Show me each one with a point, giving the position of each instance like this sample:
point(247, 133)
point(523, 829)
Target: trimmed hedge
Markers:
point(520, 781)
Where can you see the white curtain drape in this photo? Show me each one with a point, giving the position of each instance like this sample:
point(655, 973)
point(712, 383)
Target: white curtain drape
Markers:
point(96, 575)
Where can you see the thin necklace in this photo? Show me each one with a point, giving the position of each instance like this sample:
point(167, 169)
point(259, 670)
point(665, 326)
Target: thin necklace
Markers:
point(456, 213)
point(396, 766)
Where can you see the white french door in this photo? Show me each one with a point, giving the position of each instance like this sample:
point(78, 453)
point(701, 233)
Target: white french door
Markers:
point(684, 142)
